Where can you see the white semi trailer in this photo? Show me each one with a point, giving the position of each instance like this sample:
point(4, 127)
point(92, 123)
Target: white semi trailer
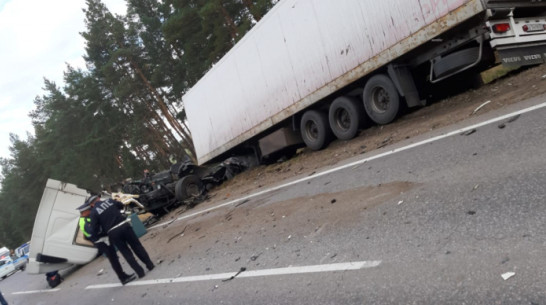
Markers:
point(314, 69)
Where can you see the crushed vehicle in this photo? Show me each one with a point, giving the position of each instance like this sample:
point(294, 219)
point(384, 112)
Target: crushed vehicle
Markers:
point(183, 183)
point(57, 241)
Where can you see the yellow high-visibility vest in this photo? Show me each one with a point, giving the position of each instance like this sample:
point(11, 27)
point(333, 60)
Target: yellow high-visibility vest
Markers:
point(83, 220)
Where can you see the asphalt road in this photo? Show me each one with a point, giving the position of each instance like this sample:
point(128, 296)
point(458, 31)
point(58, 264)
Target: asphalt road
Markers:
point(465, 210)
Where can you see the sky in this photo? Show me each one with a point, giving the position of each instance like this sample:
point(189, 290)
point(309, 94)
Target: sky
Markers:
point(38, 38)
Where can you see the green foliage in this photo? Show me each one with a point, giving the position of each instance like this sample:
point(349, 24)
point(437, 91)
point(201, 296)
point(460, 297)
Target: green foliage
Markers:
point(124, 114)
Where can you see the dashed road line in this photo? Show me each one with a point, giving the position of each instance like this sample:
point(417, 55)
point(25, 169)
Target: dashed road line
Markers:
point(252, 273)
point(36, 291)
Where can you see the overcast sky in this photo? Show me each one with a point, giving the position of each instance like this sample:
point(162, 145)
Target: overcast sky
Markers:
point(37, 39)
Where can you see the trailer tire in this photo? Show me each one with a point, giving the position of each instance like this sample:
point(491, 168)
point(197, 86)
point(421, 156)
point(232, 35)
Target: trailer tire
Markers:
point(381, 99)
point(315, 130)
point(345, 117)
point(187, 187)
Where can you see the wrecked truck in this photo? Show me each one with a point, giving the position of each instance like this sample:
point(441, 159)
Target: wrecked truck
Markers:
point(183, 183)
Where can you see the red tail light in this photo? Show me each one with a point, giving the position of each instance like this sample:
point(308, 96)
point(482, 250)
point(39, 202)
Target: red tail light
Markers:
point(501, 28)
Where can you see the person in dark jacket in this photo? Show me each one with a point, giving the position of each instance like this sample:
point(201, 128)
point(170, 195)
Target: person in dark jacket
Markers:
point(106, 216)
point(2, 300)
point(102, 245)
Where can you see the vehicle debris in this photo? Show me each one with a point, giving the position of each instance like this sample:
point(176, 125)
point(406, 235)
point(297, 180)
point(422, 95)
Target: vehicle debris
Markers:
point(255, 257)
point(468, 132)
point(184, 183)
point(177, 235)
point(512, 119)
point(480, 107)
point(507, 275)
point(236, 274)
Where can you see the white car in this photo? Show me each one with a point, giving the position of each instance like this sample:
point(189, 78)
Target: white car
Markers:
point(9, 266)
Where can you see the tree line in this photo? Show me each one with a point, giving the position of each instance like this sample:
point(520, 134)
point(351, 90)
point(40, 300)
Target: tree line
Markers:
point(124, 112)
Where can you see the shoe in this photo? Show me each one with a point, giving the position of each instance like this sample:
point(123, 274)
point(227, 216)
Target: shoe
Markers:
point(128, 279)
point(141, 275)
point(151, 268)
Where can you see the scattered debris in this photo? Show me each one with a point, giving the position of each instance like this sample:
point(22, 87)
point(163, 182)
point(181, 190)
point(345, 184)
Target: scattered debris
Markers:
point(512, 119)
point(502, 125)
point(400, 202)
point(244, 201)
point(476, 187)
point(471, 212)
point(179, 234)
point(333, 201)
point(507, 275)
point(101, 271)
point(468, 132)
point(255, 257)
point(385, 142)
point(480, 107)
point(236, 274)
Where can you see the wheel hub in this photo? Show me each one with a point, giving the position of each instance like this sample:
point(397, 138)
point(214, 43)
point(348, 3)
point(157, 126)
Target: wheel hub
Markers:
point(380, 100)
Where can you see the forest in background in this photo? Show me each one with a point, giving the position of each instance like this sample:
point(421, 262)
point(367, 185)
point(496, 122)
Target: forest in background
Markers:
point(124, 112)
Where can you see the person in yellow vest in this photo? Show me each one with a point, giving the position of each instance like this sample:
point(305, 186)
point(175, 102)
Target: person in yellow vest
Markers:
point(101, 243)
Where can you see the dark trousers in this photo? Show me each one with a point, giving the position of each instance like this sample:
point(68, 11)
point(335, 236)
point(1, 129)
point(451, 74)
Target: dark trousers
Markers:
point(112, 256)
point(2, 300)
point(124, 237)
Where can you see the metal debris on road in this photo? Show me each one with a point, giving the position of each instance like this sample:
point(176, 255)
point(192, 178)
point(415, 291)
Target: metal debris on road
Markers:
point(480, 107)
point(512, 119)
point(469, 132)
point(236, 274)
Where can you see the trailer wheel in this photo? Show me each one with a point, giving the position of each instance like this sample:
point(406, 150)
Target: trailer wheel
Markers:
point(381, 100)
point(188, 186)
point(346, 117)
point(315, 130)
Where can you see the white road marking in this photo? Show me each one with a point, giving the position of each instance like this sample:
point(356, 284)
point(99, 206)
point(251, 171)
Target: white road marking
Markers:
point(251, 273)
point(358, 162)
point(36, 291)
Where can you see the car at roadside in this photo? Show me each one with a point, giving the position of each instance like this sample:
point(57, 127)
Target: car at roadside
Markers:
point(9, 265)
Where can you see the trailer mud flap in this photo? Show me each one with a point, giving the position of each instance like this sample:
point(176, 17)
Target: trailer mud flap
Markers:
point(516, 57)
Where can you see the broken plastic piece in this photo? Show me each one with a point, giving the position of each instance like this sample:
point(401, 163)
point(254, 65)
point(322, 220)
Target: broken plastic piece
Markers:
point(480, 107)
point(507, 275)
